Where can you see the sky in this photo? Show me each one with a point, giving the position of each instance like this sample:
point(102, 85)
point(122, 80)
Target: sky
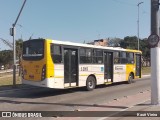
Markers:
point(74, 20)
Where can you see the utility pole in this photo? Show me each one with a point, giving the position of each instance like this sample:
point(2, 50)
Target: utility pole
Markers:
point(155, 53)
point(12, 33)
point(138, 22)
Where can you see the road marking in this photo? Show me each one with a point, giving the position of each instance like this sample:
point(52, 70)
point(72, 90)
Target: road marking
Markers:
point(145, 76)
point(103, 118)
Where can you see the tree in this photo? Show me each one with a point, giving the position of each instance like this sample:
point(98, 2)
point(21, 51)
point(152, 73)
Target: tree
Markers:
point(114, 42)
point(6, 57)
point(132, 43)
point(144, 47)
point(129, 42)
point(19, 43)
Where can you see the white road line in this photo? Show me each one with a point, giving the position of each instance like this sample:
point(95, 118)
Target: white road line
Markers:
point(103, 118)
point(146, 76)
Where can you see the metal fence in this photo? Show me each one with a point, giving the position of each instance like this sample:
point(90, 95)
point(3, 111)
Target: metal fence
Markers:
point(146, 62)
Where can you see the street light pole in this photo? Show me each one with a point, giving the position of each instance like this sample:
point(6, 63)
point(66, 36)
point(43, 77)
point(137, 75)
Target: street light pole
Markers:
point(14, 44)
point(14, 57)
point(138, 22)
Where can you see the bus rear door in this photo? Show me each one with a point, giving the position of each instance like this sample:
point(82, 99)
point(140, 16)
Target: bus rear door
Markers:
point(70, 67)
point(108, 66)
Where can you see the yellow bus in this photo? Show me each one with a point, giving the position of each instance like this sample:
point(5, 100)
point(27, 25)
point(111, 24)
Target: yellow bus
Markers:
point(60, 64)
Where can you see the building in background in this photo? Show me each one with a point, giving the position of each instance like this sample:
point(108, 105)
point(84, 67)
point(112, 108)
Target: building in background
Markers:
point(100, 42)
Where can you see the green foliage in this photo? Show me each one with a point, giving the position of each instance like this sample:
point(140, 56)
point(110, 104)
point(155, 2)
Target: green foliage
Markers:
point(145, 48)
point(129, 42)
point(114, 42)
point(19, 43)
point(6, 56)
point(132, 43)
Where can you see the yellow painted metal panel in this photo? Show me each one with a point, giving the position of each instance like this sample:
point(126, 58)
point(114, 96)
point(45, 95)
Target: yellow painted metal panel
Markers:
point(33, 69)
point(50, 64)
point(130, 68)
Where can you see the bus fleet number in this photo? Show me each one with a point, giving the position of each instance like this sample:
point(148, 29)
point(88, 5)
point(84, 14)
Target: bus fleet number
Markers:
point(84, 68)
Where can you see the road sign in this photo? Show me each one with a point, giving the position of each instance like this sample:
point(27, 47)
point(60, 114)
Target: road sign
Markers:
point(153, 40)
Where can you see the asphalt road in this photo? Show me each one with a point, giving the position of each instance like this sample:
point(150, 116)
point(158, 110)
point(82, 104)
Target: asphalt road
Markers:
point(43, 99)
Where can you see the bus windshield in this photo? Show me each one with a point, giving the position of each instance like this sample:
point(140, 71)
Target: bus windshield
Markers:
point(33, 50)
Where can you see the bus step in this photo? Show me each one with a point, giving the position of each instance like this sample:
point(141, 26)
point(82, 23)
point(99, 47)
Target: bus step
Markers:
point(107, 83)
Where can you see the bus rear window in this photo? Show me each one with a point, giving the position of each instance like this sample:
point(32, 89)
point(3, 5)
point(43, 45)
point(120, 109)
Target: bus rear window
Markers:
point(33, 50)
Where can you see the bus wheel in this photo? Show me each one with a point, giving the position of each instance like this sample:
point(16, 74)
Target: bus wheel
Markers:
point(90, 83)
point(130, 79)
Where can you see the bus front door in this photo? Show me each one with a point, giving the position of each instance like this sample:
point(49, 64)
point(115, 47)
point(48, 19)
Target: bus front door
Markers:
point(138, 65)
point(70, 67)
point(108, 66)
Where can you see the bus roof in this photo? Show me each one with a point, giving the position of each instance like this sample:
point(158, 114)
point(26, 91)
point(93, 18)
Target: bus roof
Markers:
point(91, 46)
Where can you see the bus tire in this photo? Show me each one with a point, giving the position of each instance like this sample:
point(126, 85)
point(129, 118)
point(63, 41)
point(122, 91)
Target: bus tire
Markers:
point(90, 83)
point(130, 78)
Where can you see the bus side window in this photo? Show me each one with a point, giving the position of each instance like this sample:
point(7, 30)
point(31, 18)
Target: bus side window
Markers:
point(85, 55)
point(116, 57)
point(123, 58)
point(56, 53)
point(97, 56)
point(130, 58)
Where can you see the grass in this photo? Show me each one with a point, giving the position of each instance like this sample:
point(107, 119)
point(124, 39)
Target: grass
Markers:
point(146, 70)
point(8, 80)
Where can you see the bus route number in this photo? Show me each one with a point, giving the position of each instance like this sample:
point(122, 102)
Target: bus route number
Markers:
point(84, 68)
